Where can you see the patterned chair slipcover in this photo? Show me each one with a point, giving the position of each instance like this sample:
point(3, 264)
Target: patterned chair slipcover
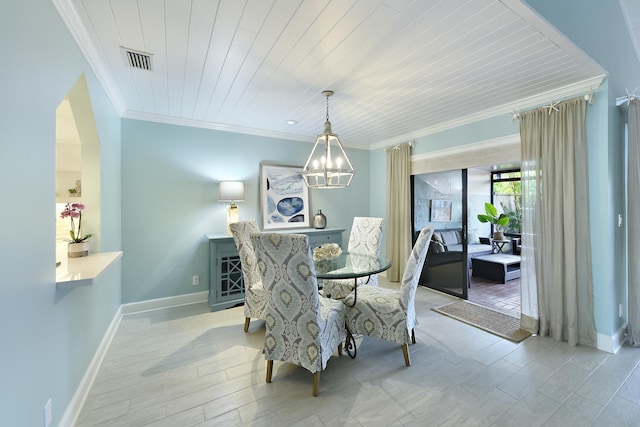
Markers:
point(302, 327)
point(255, 298)
point(389, 314)
point(365, 238)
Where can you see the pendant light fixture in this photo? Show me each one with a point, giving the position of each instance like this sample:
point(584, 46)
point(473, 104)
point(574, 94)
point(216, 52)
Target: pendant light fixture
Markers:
point(328, 165)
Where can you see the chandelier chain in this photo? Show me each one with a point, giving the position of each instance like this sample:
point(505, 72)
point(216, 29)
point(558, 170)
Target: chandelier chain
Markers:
point(327, 107)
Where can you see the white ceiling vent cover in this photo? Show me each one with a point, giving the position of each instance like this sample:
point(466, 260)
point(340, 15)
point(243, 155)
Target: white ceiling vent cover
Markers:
point(137, 59)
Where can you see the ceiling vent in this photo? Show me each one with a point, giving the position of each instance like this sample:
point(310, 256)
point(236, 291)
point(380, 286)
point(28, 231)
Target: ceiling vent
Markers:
point(137, 59)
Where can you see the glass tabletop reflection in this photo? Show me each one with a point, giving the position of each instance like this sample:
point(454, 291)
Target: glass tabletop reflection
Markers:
point(350, 266)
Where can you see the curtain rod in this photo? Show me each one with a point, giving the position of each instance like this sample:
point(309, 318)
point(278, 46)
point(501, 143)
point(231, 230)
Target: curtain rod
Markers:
point(397, 146)
point(627, 98)
point(553, 106)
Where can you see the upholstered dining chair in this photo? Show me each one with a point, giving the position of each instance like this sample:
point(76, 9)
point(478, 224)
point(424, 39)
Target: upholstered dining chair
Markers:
point(302, 327)
point(386, 313)
point(255, 298)
point(365, 238)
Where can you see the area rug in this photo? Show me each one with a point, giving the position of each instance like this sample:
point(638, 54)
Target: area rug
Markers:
point(499, 324)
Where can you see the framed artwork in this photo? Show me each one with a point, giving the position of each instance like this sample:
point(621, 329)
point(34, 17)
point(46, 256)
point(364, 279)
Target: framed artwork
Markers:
point(284, 197)
point(440, 210)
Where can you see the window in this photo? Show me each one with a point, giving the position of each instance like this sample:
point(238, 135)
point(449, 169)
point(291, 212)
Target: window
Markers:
point(507, 197)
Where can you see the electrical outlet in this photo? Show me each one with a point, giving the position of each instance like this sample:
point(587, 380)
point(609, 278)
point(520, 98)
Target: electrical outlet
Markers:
point(195, 281)
point(47, 413)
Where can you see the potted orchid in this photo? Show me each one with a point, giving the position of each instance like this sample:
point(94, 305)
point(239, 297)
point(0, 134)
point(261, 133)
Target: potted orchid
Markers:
point(78, 245)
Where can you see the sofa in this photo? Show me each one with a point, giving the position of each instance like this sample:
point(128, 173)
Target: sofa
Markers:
point(450, 240)
point(442, 266)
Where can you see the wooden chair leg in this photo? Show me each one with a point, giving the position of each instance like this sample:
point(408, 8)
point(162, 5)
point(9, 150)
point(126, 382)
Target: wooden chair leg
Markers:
point(405, 352)
point(340, 349)
point(247, 320)
point(413, 336)
point(316, 382)
point(269, 370)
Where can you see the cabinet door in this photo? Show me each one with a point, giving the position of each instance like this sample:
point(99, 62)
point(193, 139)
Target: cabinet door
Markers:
point(230, 285)
point(226, 286)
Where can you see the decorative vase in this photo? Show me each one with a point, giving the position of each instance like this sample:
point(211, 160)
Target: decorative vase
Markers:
point(498, 235)
point(319, 220)
point(77, 250)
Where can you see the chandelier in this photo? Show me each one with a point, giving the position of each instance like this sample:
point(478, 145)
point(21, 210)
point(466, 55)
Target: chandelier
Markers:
point(328, 165)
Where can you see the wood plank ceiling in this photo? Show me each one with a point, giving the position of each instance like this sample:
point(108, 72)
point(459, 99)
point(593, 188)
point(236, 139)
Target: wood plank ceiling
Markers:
point(399, 68)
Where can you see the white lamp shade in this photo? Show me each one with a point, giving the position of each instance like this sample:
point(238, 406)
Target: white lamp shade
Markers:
point(231, 191)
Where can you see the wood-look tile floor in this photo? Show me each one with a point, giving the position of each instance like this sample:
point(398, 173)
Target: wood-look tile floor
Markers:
point(188, 366)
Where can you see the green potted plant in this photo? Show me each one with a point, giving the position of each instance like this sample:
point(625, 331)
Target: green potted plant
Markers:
point(499, 221)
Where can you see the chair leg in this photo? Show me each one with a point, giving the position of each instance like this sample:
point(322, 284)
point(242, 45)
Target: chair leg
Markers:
point(269, 370)
point(247, 320)
point(316, 382)
point(405, 352)
point(413, 336)
point(340, 349)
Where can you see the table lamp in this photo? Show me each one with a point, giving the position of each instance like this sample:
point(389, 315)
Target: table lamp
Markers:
point(231, 192)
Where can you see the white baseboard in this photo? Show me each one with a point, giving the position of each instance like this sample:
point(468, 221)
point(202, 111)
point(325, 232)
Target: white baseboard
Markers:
point(72, 412)
point(168, 302)
point(611, 344)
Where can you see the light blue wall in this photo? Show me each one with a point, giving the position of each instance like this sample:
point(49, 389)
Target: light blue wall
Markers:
point(484, 130)
point(48, 337)
point(170, 178)
point(168, 185)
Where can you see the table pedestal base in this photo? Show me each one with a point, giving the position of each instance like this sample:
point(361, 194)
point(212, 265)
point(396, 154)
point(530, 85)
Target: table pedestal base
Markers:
point(350, 345)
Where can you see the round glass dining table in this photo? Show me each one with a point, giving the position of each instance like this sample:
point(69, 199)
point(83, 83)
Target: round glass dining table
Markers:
point(350, 266)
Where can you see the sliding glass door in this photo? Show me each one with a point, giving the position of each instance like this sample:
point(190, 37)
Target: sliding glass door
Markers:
point(440, 200)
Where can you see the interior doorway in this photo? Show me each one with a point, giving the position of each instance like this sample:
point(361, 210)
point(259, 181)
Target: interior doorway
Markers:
point(449, 266)
point(440, 201)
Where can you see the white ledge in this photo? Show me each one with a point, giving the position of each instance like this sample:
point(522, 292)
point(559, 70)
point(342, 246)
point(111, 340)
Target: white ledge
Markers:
point(74, 272)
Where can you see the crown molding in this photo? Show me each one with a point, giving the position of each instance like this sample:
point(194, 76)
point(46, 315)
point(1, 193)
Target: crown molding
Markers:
point(178, 121)
point(489, 144)
point(158, 118)
point(538, 100)
point(569, 91)
point(69, 14)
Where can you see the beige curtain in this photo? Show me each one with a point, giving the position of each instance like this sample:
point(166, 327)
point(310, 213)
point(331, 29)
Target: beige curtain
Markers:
point(398, 221)
point(633, 205)
point(557, 291)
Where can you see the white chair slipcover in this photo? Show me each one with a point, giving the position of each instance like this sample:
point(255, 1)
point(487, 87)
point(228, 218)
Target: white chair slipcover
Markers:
point(365, 238)
point(389, 314)
point(302, 327)
point(255, 298)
